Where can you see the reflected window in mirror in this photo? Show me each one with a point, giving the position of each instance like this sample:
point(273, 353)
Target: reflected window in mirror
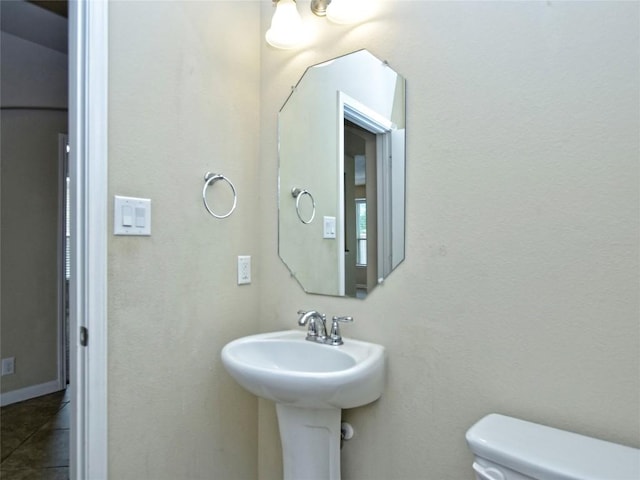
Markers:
point(361, 232)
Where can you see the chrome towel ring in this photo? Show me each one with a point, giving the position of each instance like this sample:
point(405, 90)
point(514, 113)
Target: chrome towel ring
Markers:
point(210, 179)
point(298, 193)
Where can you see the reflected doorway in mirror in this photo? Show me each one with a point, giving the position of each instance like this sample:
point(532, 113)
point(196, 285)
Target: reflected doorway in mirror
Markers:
point(356, 91)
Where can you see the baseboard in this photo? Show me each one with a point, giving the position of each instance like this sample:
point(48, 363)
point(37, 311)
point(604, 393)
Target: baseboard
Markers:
point(15, 396)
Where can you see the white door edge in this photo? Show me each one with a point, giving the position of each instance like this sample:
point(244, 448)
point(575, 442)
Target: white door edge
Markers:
point(88, 120)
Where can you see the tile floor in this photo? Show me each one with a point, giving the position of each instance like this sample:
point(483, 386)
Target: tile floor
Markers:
point(35, 439)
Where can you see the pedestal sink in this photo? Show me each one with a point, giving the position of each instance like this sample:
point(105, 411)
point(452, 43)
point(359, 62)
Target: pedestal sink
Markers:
point(310, 384)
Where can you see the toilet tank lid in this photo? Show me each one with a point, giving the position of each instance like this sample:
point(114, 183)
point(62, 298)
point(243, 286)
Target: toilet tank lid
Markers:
point(545, 452)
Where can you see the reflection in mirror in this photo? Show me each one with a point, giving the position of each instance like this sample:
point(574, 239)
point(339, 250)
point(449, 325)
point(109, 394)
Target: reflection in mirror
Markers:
point(342, 140)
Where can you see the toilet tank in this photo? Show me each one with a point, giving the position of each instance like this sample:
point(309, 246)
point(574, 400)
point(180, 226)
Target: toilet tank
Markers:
point(511, 449)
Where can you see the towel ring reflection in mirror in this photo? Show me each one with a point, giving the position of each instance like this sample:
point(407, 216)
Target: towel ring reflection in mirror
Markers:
point(210, 179)
point(298, 193)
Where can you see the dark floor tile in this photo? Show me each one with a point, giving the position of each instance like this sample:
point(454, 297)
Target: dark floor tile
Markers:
point(20, 420)
point(61, 420)
point(16, 430)
point(57, 473)
point(50, 402)
point(46, 448)
point(26, 416)
point(9, 444)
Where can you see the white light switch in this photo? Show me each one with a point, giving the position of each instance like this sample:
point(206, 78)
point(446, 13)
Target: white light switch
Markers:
point(127, 217)
point(329, 227)
point(132, 216)
point(141, 217)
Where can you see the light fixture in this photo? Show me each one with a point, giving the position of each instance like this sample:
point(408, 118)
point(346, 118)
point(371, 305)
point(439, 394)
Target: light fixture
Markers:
point(319, 7)
point(286, 26)
point(287, 30)
point(346, 12)
point(340, 11)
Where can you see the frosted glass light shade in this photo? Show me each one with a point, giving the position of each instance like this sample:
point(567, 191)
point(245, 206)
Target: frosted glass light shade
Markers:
point(346, 12)
point(286, 26)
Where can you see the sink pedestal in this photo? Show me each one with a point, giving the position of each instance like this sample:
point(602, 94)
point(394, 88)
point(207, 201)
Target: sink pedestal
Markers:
point(310, 442)
point(320, 380)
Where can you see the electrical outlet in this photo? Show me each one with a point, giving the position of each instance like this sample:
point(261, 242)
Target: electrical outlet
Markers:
point(244, 269)
point(8, 366)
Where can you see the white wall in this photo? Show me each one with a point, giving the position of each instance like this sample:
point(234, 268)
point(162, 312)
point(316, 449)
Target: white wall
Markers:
point(183, 100)
point(519, 292)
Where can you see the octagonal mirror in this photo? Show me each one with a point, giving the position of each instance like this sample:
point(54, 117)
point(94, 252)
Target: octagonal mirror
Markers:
point(341, 195)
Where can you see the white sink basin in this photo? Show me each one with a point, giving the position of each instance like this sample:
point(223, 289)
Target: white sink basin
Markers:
point(287, 369)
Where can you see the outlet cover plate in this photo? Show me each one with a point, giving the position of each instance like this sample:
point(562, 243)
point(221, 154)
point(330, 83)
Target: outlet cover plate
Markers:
point(244, 269)
point(8, 366)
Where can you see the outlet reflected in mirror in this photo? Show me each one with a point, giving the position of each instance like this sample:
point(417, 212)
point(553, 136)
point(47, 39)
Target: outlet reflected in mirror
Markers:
point(342, 140)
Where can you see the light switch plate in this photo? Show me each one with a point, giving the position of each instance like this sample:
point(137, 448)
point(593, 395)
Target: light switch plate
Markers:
point(329, 225)
point(131, 216)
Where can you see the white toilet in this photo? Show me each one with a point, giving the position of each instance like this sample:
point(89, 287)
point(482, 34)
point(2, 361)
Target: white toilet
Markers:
point(506, 448)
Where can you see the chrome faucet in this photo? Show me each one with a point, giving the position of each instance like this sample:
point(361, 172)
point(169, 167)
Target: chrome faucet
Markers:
point(317, 327)
point(317, 331)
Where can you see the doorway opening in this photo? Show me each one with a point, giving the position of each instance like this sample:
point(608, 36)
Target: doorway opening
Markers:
point(35, 308)
point(85, 41)
point(360, 210)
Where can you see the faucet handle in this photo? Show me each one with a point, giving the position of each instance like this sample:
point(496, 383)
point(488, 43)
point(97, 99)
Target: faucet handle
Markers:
point(335, 337)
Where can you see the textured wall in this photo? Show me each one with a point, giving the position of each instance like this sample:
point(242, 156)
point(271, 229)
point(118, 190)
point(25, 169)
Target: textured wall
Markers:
point(183, 100)
point(519, 292)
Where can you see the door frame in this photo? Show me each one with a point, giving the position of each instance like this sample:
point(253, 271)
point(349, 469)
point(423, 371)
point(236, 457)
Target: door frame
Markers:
point(378, 249)
point(88, 140)
point(63, 170)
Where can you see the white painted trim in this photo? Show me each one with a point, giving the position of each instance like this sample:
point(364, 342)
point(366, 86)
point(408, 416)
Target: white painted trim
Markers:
point(341, 234)
point(62, 184)
point(88, 101)
point(26, 393)
point(367, 118)
point(384, 177)
point(364, 116)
